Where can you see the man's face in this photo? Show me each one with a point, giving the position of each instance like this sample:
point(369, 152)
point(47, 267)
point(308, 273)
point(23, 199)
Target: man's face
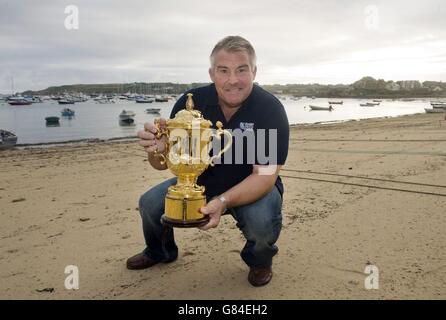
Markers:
point(233, 76)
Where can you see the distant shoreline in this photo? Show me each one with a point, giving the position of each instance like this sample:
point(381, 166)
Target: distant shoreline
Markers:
point(365, 88)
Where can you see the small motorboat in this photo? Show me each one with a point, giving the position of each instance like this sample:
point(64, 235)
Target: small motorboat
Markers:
point(318, 108)
point(335, 102)
point(153, 110)
point(67, 112)
point(435, 110)
point(52, 120)
point(65, 101)
point(103, 100)
point(19, 101)
point(7, 139)
point(161, 99)
point(438, 104)
point(127, 116)
point(144, 100)
point(369, 104)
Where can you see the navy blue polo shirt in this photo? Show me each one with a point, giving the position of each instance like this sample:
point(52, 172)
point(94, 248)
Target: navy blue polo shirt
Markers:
point(261, 110)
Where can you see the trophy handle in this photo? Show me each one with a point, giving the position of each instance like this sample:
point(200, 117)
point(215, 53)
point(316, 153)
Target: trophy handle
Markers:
point(221, 132)
point(159, 134)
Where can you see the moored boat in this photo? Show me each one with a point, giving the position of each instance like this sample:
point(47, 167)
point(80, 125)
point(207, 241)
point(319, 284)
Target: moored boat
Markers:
point(7, 139)
point(127, 116)
point(318, 108)
point(153, 110)
point(65, 101)
point(19, 101)
point(369, 104)
point(144, 100)
point(435, 110)
point(67, 112)
point(438, 104)
point(161, 99)
point(52, 120)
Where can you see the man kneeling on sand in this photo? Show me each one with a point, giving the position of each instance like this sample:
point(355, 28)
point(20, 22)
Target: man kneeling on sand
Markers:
point(240, 189)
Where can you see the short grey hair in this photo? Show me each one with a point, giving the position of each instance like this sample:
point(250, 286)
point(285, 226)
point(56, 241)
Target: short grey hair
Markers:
point(235, 44)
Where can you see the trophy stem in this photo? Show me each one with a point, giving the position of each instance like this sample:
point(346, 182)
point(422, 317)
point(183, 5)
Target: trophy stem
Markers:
point(187, 180)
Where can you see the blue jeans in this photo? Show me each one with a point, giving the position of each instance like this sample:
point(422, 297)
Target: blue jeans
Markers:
point(260, 223)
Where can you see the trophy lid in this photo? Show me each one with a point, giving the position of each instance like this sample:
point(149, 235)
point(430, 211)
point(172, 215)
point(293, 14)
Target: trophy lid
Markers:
point(184, 118)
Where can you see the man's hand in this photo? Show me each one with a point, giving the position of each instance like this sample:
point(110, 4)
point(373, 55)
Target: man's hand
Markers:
point(148, 137)
point(214, 209)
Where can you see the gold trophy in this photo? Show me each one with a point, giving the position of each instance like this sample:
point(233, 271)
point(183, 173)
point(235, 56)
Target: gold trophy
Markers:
point(189, 138)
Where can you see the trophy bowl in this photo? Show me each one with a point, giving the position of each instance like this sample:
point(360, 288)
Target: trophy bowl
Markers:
point(186, 155)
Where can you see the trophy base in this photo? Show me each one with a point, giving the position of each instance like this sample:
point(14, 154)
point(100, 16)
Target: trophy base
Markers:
point(184, 223)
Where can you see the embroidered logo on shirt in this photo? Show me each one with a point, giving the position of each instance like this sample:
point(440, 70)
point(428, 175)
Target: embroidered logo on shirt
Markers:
point(246, 126)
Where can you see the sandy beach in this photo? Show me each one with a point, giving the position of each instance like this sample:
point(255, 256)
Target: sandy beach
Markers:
point(356, 193)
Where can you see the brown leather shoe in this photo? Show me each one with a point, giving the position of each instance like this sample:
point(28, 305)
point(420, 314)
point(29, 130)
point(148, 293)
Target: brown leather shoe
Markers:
point(140, 261)
point(260, 276)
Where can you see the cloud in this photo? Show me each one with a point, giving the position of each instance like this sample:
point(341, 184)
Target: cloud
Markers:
point(296, 41)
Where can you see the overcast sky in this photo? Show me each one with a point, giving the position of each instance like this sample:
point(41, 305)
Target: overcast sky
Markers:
point(170, 41)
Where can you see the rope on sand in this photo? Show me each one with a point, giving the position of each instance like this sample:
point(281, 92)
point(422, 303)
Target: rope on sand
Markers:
point(366, 186)
point(365, 178)
point(369, 140)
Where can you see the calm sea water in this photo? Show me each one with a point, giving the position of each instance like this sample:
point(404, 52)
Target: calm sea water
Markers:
point(93, 120)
